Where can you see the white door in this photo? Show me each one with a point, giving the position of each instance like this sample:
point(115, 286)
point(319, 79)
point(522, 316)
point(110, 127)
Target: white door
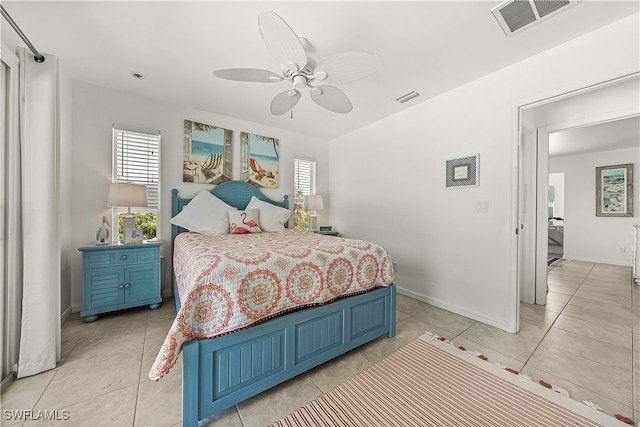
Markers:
point(527, 210)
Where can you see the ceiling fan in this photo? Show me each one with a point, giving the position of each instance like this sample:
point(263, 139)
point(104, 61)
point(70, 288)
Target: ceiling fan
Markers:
point(302, 71)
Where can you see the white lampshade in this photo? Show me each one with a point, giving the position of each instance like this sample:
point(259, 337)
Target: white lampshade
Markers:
point(313, 202)
point(127, 195)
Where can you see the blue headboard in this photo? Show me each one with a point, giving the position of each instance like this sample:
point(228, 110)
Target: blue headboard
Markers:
point(234, 193)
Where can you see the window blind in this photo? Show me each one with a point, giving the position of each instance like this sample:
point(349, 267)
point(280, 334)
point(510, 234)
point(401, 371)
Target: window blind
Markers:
point(304, 177)
point(137, 160)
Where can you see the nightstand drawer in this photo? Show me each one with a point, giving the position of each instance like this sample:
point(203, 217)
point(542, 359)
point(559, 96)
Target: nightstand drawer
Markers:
point(97, 259)
point(144, 255)
point(125, 257)
point(135, 255)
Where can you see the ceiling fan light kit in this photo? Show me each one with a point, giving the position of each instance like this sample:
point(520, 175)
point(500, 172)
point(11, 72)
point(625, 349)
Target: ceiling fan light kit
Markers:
point(301, 71)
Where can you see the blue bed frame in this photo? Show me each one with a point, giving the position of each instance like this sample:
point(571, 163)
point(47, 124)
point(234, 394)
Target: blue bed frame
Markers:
point(224, 371)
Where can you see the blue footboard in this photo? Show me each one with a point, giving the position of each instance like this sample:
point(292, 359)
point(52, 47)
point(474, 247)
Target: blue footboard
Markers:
point(222, 372)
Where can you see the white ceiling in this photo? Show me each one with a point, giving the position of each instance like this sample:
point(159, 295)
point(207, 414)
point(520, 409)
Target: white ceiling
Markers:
point(428, 46)
point(612, 135)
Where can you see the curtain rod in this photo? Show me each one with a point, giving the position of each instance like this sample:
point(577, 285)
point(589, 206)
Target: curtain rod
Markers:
point(38, 57)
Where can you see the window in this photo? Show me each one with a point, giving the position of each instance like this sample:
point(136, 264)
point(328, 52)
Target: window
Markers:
point(304, 178)
point(136, 159)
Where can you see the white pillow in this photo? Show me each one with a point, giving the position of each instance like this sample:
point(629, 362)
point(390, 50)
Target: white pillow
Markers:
point(205, 214)
point(272, 218)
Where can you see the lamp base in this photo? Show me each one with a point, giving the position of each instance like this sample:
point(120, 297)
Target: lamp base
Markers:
point(313, 223)
point(128, 221)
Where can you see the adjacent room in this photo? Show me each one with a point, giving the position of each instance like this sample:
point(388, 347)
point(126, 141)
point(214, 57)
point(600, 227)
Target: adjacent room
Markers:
point(354, 213)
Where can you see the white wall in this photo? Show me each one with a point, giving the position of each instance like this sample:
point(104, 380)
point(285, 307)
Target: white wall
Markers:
point(388, 183)
point(586, 236)
point(95, 109)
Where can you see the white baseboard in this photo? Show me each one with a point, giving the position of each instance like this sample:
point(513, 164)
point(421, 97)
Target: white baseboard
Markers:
point(600, 261)
point(76, 308)
point(453, 308)
point(64, 316)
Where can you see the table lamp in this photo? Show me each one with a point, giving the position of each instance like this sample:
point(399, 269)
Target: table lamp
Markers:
point(127, 195)
point(313, 203)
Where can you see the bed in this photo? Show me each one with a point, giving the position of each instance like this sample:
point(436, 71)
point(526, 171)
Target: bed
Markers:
point(257, 354)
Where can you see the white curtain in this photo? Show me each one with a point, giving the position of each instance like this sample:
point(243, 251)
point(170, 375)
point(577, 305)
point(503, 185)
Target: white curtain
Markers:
point(39, 184)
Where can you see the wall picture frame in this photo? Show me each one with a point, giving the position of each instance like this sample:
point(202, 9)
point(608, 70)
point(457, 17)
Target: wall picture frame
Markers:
point(463, 171)
point(207, 153)
point(614, 190)
point(260, 160)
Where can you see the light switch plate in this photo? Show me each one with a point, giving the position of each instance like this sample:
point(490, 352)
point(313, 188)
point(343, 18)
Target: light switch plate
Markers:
point(481, 206)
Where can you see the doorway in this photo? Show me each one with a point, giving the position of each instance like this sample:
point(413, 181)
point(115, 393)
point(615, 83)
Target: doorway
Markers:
point(606, 102)
point(555, 208)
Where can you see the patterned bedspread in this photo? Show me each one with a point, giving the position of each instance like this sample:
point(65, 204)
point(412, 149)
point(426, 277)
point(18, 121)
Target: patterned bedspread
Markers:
point(231, 282)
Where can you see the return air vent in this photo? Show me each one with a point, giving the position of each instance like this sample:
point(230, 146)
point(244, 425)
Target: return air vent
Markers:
point(408, 96)
point(517, 15)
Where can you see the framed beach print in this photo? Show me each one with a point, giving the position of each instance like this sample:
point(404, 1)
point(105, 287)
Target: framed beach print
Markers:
point(614, 190)
point(463, 171)
point(207, 153)
point(260, 160)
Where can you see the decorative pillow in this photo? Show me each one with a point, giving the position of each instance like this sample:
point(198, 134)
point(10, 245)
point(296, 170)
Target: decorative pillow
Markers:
point(243, 222)
point(205, 214)
point(272, 218)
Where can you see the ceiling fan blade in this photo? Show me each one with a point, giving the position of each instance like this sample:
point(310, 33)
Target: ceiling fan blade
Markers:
point(248, 75)
point(284, 102)
point(331, 98)
point(282, 41)
point(349, 66)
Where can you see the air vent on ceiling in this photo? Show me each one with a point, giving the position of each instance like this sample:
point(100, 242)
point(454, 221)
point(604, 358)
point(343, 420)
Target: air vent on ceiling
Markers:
point(408, 96)
point(517, 15)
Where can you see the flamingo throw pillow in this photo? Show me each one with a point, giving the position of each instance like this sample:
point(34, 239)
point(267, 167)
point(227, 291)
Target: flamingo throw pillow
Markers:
point(243, 222)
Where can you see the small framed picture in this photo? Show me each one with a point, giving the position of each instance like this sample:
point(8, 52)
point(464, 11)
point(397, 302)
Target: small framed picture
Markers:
point(132, 235)
point(463, 171)
point(614, 190)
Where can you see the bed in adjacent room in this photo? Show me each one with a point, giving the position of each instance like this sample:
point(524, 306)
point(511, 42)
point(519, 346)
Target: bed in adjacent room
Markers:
point(263, 303)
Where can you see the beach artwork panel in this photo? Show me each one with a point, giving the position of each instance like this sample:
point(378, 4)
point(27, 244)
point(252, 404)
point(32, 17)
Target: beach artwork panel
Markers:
point(207, 153)
point(260, 160)
point(614, 190)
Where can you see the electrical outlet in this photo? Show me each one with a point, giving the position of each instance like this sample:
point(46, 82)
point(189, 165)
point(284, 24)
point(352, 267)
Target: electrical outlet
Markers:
point(622, 250)
point(395, 267)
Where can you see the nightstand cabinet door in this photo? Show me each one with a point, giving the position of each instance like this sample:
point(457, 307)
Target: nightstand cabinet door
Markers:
point(104, 289)
point(140, 284)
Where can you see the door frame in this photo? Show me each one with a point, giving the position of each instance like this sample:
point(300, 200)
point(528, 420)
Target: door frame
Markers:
point(527, 227)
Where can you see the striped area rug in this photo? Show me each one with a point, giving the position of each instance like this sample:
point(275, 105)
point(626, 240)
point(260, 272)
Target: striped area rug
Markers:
point(430, 383)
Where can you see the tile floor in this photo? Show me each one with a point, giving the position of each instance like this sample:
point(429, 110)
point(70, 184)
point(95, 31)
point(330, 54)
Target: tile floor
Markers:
point(581, 341)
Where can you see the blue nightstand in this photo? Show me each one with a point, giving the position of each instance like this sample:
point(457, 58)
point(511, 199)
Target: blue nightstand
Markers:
point(327, 233)
point(118, 276)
